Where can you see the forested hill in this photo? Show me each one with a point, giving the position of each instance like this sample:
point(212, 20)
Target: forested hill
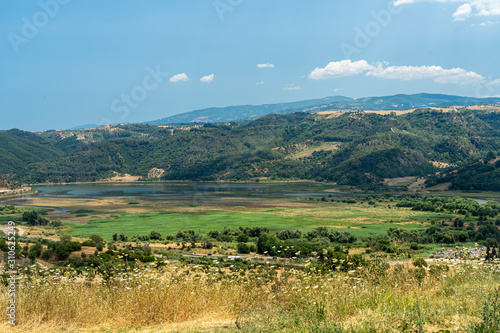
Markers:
point(355, 148)
point(251, 112)
point(18, 149)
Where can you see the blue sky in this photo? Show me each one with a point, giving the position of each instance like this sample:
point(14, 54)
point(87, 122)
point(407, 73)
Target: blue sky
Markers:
point(65, 63)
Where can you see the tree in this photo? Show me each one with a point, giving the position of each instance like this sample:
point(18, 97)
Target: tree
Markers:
point(57, 223)
point(243, 248)
point(155, 235)
point(35, 251)
point(47, 254)
point(242, 238)
point(490, 156)
point(32, 218)
point(97, 239)
point(62, 252)
point(65, 238)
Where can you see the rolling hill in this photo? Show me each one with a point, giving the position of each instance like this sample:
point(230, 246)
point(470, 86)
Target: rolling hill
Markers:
point(250, 112)
point(243, 112)
point(18, 149)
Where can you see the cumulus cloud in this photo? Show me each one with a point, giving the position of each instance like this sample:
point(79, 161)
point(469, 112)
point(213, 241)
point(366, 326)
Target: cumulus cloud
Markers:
point(436, 73)
point(406, 73)
point(292, 87)
point(207, 78)
point(463, 12)
point(467, 8)
point(179, 77)
point(340, 69)
point(266, 65)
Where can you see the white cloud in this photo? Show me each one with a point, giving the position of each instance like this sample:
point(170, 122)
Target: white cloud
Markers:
point(495, 82)
point(463, 12)
point(467, 8)
point(207, 78)
point(484, 24)
point(259, 83)
point(267, 65)
point(436, 73)
point(340, 69)
point(406, 73)
point(292, 87)
point(179, 77)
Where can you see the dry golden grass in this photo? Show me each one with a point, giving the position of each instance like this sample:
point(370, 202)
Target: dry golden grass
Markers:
point(308, 151)
point(196, 298)
point(400, 181)
point(332, 114)
point(126, 178)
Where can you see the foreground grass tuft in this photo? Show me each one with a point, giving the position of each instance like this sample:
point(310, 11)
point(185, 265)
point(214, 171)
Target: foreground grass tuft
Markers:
point(261, 299)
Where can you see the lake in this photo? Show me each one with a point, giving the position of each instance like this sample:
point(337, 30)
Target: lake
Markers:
point(193, 192)
point(187, 190)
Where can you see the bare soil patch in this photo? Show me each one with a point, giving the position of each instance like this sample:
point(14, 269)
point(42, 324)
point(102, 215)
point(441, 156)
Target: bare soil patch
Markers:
point(122, 178)
point(400, 181)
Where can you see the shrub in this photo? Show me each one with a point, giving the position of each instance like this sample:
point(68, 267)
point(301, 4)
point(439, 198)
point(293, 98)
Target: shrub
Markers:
point(47, 254)
point(243, 248)
point(32, 218)
point(155, 235)
point(88, 243)
point(62, 252)
point(419, 262)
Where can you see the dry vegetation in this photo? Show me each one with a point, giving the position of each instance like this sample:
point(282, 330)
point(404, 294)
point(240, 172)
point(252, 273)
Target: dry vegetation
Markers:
point(271, 299)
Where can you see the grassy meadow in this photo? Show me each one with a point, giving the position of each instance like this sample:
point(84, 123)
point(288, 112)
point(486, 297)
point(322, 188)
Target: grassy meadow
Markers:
point(361, 219)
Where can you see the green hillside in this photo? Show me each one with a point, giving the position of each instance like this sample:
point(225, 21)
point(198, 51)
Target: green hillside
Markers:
point(18, 149)
point(354, 148)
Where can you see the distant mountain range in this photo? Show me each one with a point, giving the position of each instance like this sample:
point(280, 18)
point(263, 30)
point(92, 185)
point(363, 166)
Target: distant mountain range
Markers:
point(250, 112)
point(84, 126)
point(244, 112)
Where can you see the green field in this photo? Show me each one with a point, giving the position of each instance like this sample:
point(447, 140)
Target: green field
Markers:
point(170, 223)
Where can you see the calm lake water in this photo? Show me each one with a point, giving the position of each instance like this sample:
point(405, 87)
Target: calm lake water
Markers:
point(196, 193)
point(184, 190)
